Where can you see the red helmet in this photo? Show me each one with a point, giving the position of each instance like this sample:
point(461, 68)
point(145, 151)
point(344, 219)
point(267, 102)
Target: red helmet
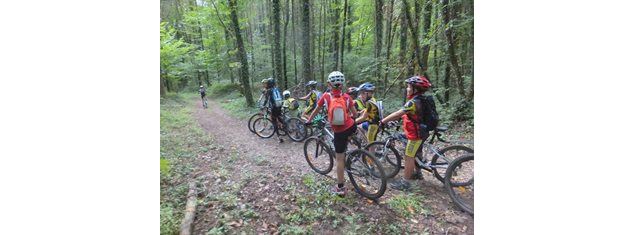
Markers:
point(419, 81)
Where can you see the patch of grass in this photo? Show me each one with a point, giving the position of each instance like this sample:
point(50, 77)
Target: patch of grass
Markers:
point(236, 105)
point(408, 205)
point(227, 200)
point(169, 219)
point(293, 229)
point(182, 140)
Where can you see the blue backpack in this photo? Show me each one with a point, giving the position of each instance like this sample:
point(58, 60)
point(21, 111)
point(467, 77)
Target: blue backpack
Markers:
point(277, 97)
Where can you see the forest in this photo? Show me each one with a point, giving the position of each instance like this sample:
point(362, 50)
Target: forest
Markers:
point(235, 44)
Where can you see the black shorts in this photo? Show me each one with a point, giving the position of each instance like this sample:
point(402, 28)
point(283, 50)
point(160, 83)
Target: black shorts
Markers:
point(203, 95)
point(276, 113)
point(341, 139)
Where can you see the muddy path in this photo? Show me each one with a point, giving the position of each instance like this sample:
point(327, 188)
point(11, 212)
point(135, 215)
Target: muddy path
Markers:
point(254, 185)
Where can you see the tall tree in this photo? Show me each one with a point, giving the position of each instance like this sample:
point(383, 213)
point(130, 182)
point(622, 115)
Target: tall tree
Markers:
point(451, 53)
point(306, 41)
point(244, 66)
point(336, 42)
point(276, 43)
point(379, 21)
point(414, 31)
point(284, 46)
point(341, 48)
point(293, 20)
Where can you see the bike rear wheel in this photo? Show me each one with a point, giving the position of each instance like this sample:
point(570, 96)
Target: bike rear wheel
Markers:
point(460, 182)
point(366, 175)
point(264, 127)
point(440, 162)
point(388, 157)
point(319, 155)
point(251, 121)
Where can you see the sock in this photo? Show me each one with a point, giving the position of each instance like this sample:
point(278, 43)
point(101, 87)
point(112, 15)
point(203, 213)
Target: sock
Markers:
point(340, 185)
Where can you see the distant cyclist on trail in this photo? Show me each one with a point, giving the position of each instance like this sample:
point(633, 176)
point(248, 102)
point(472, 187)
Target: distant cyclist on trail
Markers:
point(201, 90)
point(340, 115)
point(311, 98)
point(274, 100)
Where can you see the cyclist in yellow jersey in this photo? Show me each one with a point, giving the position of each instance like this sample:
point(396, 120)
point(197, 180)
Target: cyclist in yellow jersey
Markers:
point(370, 112)
point(311, 98)
point(411, 114)
point(290, 105)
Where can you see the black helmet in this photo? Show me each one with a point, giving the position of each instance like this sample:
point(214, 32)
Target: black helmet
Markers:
point(271, 82)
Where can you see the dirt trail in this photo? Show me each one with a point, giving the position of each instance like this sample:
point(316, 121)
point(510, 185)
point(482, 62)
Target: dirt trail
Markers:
point(262, 174)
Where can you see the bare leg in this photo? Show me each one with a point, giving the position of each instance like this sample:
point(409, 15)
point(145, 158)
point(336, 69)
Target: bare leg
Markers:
point(340, 167)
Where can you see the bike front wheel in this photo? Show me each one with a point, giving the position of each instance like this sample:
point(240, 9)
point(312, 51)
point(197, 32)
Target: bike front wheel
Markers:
point(460, 182)
point(264, 127)
point(366, 175)
point(440, 162)
point(319, 155)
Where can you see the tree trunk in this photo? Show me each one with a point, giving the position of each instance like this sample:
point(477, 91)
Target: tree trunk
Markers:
point(294, 18)
point(414, 31)
point(344, 22)
point(276, 42)
point(389, 42)
point(349, 22)
point(403, 39)
point(379, 16)
point(306, 41)
point(451, 53)
point(427, 20)
point(336, 32)
point(163, 77)
point(446, 82)
point(323, 64)
point(244, 66)
point(284, 46)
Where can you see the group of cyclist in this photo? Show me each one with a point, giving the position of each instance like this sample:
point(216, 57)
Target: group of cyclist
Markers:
point(364, 112)
point(352, 109)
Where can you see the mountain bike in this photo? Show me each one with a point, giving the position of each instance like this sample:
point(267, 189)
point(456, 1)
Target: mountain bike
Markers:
point(395, 143)
point(366, 175)
point(204, 99)
point(459, 182)
point(293, 127)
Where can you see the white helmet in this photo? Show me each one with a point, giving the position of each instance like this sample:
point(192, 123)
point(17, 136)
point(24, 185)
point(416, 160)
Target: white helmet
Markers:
point(286, 94)
point(336, 78)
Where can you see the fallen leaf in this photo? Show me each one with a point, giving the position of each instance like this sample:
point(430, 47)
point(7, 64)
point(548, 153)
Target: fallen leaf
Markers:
point(411, 210)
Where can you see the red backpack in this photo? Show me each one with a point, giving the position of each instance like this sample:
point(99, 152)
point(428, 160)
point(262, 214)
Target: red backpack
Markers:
point(337, 110)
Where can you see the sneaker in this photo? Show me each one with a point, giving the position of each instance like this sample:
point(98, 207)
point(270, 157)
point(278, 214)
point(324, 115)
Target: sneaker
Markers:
point(401, 185)
point(338, 191)
point(417, 176)
point(280, 139)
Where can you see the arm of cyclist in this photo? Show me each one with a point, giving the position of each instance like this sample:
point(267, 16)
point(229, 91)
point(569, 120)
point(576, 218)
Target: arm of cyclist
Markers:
point(362, 117)
point(392, 117)
point(317, 109)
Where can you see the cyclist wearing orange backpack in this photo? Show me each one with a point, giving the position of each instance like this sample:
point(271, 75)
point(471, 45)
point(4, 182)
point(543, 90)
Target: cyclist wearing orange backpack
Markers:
point(341, 110)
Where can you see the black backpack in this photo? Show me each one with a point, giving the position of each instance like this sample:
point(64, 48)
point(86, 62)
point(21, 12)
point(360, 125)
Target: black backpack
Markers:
point(429, 117)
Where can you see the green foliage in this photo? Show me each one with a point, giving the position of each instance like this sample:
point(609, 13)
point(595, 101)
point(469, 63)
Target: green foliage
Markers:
point(286, 229)
point(169, 220)
point(181, 141)
point(223, 88)
point(407, 205)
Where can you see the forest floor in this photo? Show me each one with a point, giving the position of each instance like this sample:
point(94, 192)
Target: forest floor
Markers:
point(259, 186)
